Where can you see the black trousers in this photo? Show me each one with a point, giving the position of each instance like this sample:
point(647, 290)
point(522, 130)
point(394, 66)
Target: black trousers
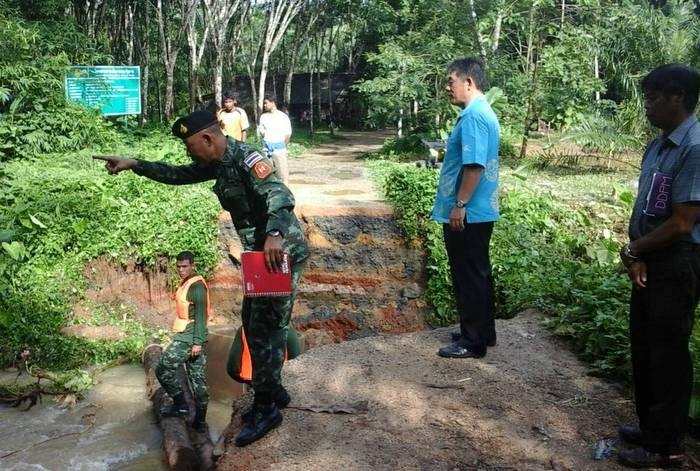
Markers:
point(661, 321)
point(470, 266)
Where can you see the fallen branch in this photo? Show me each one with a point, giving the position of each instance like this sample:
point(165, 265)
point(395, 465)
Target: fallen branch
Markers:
point(457, 385)
point(356, 408)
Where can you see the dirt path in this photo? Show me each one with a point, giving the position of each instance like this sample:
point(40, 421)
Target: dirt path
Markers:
point(332, 175)
point(528, 405)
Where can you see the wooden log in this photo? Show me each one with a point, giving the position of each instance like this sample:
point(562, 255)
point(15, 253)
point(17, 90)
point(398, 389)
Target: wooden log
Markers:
point(201, 440)
point(180, 453)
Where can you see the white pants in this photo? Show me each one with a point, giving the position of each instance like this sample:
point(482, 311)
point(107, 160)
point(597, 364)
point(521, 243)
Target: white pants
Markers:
point(279, 158)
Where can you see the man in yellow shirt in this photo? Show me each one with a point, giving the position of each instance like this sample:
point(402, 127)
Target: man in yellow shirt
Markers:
point(232, 119)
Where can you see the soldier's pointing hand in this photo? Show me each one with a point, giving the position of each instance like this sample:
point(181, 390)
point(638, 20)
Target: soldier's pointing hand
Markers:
point(114, 164)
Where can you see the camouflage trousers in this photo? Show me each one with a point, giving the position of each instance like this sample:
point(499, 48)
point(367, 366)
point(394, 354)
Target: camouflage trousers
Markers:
point(180, 353)
point(266, 321)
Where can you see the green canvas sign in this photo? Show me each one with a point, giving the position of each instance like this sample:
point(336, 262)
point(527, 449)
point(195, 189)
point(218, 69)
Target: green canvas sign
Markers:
point(113, 90)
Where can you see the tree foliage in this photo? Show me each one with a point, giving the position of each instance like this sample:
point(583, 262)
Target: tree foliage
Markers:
point(35, 116)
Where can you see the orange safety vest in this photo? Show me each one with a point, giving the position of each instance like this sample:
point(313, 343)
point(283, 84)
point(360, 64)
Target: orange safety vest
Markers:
point(246, 372)
point(182, 305)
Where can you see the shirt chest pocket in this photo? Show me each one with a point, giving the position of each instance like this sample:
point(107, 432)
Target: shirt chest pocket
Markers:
point(232, 195)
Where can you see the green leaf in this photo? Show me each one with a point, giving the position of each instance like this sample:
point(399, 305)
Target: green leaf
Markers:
point(15, 249)
point(80, 226)
point(6, 319)
point(6, 235)
point(36, 221)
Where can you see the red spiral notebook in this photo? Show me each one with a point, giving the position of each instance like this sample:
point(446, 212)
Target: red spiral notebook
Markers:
point(258, 281)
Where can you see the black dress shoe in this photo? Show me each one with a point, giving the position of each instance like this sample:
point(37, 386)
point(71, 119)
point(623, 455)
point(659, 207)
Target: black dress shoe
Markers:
point(631, 434)
point(457, 336)
point(265, 417)
point(455, 350)
point(282, 399)
point(641, 458)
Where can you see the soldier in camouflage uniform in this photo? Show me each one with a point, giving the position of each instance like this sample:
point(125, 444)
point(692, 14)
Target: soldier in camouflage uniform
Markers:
point(188, 347)
point(261, 208)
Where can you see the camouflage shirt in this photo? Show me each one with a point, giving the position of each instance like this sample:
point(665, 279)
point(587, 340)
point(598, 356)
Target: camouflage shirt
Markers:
point(248, 188)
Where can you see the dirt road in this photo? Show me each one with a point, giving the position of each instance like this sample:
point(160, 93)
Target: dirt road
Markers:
point(332, 175)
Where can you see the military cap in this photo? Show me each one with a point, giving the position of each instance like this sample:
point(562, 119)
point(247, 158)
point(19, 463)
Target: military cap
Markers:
point(193, 123)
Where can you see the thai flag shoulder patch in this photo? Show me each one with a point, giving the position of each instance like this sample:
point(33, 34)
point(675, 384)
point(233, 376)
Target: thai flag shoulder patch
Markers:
point(253, 158)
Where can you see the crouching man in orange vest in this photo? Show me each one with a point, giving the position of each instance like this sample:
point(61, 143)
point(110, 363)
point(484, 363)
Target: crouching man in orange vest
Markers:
point(188, 345)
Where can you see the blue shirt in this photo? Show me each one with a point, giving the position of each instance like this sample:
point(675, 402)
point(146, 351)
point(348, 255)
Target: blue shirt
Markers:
point(676, 154)
point(473, 141)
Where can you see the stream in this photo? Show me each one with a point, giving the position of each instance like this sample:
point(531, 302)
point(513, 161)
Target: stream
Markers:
point(112, 428)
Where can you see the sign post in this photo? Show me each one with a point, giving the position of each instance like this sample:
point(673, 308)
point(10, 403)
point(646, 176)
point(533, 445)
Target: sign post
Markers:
point(114, 90)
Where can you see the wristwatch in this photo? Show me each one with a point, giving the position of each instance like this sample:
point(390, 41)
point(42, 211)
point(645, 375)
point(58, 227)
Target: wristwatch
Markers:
point(460, 203)
point(274, 233)
point(628, 252)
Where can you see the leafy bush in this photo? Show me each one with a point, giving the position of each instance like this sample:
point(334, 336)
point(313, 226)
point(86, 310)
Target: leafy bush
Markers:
point(544, 253)
point(34, 115)
point(60, 211)
point(401, 149)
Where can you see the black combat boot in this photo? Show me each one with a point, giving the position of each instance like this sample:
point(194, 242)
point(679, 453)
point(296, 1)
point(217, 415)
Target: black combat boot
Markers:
point(281, 398)
point(200, 419)
point(177, 409)
point(264, 417)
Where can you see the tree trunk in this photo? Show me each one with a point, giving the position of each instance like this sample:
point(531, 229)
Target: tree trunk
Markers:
point(145, 57)
point(218, 78)
point(160, 101)
point(279, 15)
point(563, 13)
point(497, 31)
point(218, 14)
point(129, 26)
point(171, 44)
point(596, 74)
point(196, 48)
point(331, 121)
point(194, 86)
point(274, 85)
point(261, 82)
point(531, 72)
point(317, 67)
point(253, 89)
point(169, 105)
point(144, 94)
point(311, 91)
point(290, 76)
point(479, 39)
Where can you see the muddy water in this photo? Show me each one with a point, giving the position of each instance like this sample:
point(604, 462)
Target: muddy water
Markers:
point(113, 428)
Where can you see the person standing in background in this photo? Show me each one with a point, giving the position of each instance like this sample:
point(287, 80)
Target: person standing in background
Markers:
point(232, 119)
point(276, 130)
